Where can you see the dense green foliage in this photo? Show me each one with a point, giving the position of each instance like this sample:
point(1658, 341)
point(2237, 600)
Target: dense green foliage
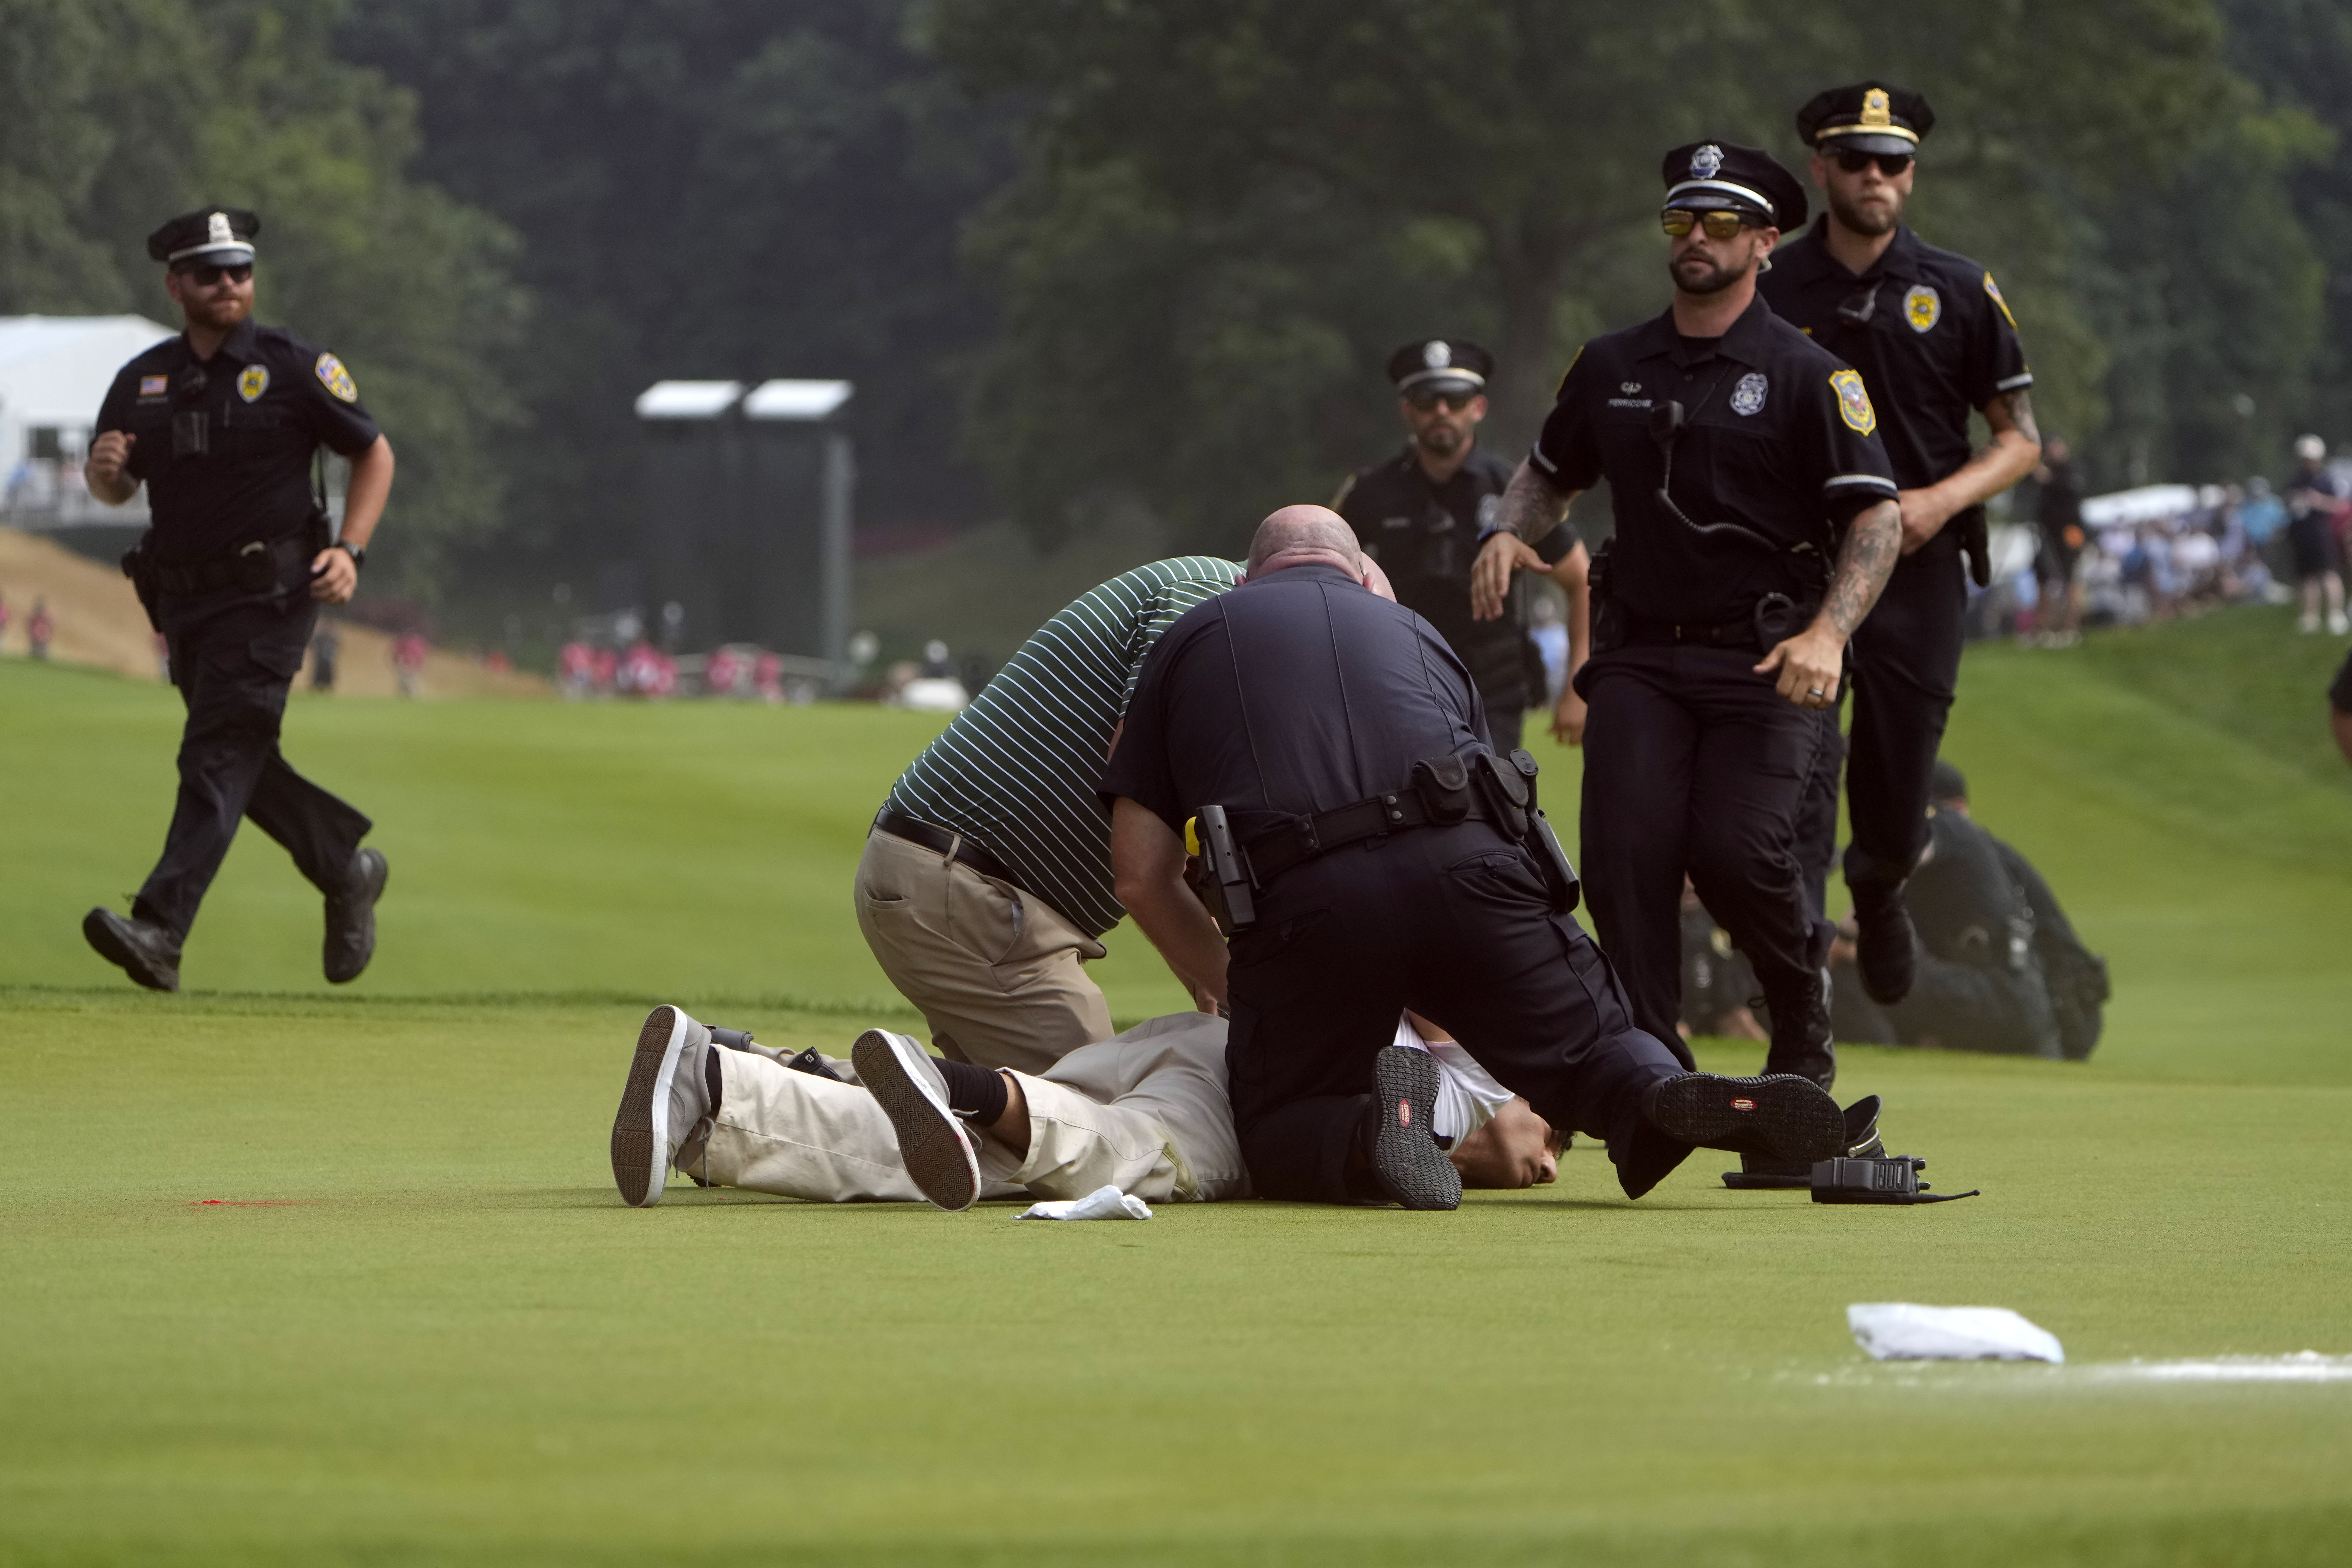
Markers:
point(115, 114)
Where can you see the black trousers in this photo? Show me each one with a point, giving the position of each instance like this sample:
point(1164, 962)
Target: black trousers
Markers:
point(233, 659)
point(1695, 766)
point(1455, 923)
point(1905, 671)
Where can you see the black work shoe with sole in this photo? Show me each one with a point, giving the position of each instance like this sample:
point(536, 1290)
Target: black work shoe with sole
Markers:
point(1763, 1170)
point(1884, 945)
point(1405, 1159)
point(1780, 1115)
point(350, 917)
point(146, 951)
point(1802, 1037)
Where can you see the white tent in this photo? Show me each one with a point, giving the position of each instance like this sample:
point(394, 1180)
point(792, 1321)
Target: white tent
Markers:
point(54, 372)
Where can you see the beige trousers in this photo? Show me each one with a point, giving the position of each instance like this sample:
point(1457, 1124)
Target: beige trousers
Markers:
point(1146, 1112)
point(996, 971)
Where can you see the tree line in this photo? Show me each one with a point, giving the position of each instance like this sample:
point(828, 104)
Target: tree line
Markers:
point(1086, 254)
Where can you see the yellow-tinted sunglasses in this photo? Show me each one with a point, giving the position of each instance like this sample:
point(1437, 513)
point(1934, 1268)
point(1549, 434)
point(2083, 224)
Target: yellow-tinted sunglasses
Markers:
point(1720, 224)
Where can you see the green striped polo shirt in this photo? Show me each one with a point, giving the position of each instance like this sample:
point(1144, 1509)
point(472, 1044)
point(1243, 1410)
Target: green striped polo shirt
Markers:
point(1017, 771)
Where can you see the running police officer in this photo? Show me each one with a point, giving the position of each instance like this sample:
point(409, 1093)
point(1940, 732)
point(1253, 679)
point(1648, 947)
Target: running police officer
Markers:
point(1933, 339)
point(1380, 857)
point(222, 424)
point(1754, 516)
point(1422, 513)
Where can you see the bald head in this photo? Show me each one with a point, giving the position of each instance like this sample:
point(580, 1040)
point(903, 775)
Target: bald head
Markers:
point(1305, 536)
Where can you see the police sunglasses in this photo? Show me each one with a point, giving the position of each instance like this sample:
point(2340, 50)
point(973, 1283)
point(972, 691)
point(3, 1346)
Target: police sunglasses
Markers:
point(1890, 165)
point(206, 277)
point(1425, 399)
point(1720, 224)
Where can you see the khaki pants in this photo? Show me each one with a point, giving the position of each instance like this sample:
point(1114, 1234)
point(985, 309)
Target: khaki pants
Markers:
point(996, 971)
point(1146, 1112)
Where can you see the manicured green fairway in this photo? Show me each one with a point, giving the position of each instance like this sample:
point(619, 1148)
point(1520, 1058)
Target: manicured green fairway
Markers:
point(417, 1327)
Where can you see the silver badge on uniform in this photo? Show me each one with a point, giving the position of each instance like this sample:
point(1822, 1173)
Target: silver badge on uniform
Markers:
point(1705, 162)
point(1437, 354)
point(1748, 397)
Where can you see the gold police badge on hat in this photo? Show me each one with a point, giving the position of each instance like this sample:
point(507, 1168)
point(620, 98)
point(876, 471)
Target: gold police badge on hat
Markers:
point(1853, 400)
point(1923, 307)
point(336, 379)
point(1993, 288)
point(1875, 108)
point(254, 382)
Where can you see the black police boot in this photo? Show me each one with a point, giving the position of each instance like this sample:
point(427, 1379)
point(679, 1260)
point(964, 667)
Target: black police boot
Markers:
point(1780, 1116)
point(148, 953)
point(1763, 1170)
point(1884, 943)
point(1399, 1137)
point(350, 917)
point(1800, 1033)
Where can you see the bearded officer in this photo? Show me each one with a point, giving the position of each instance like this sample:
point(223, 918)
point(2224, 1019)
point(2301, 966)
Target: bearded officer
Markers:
point(1755, 524)
point(1421, 515)
point(221, 423)
point(1934, 340)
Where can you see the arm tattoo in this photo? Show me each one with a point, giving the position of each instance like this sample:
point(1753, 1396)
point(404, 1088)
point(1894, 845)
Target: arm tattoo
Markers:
point(1873, 540)
point(2019, 409)
point(1531, 507)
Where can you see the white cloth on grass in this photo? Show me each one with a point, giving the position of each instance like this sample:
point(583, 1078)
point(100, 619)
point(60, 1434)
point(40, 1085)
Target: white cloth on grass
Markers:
point(1467, 1094)
point(1103, 1203)
point(1903, 1330)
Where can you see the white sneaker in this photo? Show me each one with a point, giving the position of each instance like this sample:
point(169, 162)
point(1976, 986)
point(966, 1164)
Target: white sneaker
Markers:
point(2338, 625)
point(900, 1076)
point(667, 1097)
point(2307, 623)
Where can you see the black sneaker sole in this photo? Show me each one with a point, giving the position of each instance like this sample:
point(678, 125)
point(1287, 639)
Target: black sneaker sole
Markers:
point(103, 937)
point(1410, 1167)
point(1762, 1171)
point(939, 1157)
point(1780, 1117)
point(637, 1164)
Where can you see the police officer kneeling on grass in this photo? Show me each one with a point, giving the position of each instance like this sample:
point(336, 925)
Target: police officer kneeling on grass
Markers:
point(1755, 524)
point(1323, 745)
point(222, 424)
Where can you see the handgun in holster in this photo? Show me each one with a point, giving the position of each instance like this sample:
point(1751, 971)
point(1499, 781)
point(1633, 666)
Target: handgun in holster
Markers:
point(1221, 873)
point(1509, 784)
point(1976, 543)
point(139, 565)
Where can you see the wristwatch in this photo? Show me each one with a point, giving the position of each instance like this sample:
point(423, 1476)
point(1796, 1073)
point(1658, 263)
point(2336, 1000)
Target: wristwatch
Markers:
point(358, 554)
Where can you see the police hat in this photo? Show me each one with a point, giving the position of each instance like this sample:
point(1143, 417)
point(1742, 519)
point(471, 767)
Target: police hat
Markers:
point(1868, 117)
point(209, 236)
point(1441, 364)
point(1946, 783)
point(1711, 176)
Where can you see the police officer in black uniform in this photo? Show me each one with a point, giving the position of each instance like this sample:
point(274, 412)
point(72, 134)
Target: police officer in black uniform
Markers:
point(1933, 338)
point(1756, 523)
point(222, 424)
point(1421, 514)
point(1388, 859)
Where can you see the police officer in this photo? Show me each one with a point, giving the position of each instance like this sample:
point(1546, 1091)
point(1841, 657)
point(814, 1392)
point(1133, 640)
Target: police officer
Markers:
point(1933, 339)
point(222, 423)
point(1756, 523)
point(1422, 513)
point(1388, 860)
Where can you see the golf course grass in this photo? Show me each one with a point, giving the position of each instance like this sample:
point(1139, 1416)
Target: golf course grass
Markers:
point(293, 1274)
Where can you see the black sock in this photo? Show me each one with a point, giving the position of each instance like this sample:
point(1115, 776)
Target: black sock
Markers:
point(976, 1092)
point(711, 1076)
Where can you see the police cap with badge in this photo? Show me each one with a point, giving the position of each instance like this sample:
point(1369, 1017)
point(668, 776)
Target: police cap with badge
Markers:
point(209, 236)
point(1726, 177)
point(1430, 368)
point(1871, 117)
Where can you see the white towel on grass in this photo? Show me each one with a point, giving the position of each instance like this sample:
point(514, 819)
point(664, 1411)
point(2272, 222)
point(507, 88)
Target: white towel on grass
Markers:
point(1902, 1331)
point(1104, 1202)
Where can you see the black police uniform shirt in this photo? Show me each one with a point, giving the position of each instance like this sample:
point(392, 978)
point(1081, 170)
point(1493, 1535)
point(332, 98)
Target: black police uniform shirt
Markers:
point(1426, 537)
point(1296, 693)
point(266, 400)
point(1939, 343)
point(1780, 436)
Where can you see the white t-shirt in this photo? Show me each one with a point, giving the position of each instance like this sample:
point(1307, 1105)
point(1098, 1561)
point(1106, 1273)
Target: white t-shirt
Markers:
point(1467, 1096)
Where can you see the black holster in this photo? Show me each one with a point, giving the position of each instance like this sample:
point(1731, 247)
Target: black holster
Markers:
point(1608, 627)
point(1976, 543)
point(140, 567)
point(1510, 786)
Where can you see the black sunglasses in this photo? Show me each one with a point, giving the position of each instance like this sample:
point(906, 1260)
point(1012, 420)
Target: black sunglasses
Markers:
point(205, 277)
point(1424, 399)
point(1890, 165)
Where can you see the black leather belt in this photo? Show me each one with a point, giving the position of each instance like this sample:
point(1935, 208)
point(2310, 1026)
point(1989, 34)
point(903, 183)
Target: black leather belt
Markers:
point(1738, 632)
point(256, 567)
point(1278, 848)
point(959, 848)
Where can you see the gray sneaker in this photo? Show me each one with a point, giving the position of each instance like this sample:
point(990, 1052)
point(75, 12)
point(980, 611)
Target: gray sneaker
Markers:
point(938, 1153)
point(666, 1099)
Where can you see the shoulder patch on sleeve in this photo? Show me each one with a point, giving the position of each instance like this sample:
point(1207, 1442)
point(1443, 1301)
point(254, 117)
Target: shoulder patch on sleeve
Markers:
point(336, 379)
point(1853, 400)
point(1993, 288)
point(1565, 375)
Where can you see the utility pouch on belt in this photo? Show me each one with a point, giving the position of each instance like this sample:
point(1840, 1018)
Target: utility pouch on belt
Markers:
point(1444, 786)
point(1608, 615)
point(1976, 543)
point(1510, 792)
point(1220, 876)
point(140, 567)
